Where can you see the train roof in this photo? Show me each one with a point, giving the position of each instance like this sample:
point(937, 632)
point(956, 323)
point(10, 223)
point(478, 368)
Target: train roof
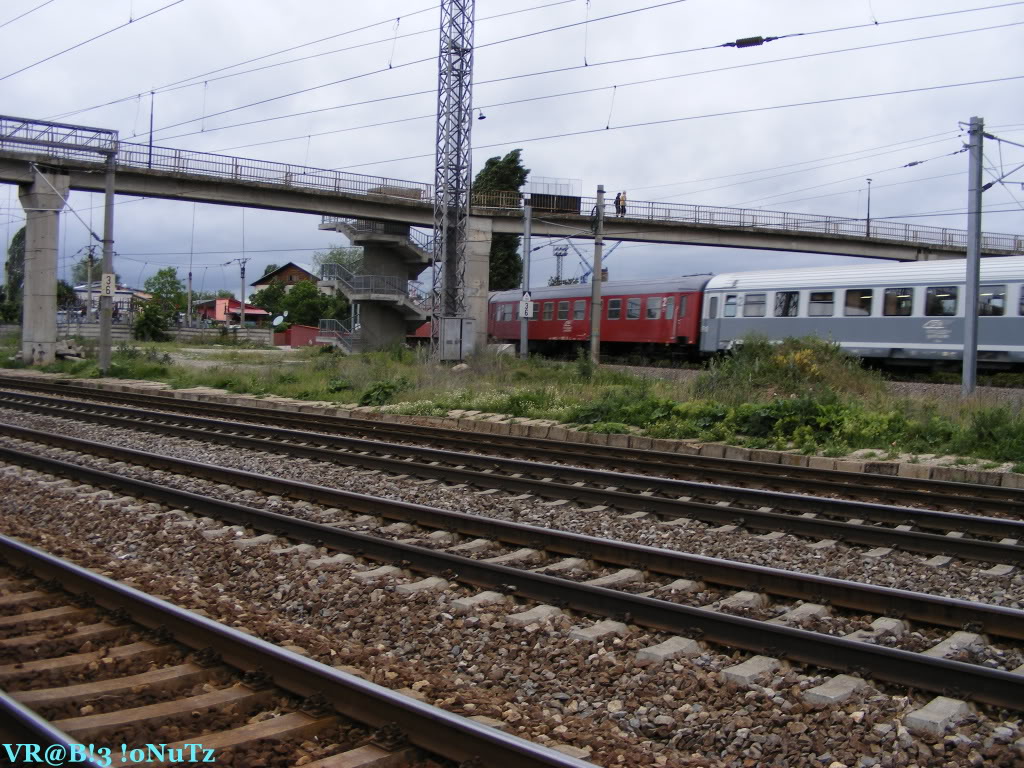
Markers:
point(682, 284)
point(1004, 268)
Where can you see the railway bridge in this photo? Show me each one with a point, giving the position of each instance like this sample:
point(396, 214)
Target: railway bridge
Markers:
point(45, 159)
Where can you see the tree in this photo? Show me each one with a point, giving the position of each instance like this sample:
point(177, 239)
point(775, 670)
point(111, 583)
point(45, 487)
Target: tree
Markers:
point(80, 271)
point(503, 174)
point(165, 287)
point(306, 305)
point(270, 298)
point(270, 268)
point(207, 295)
point(66, 296)
point(348, 257)
point(152, 321)
point(15, 268)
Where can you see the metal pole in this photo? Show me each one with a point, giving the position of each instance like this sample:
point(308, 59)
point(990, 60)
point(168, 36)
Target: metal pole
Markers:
point(241, 313)
point(88, 287)
point(974, 190)
point(867, 232)
point(189, 298)
point(152, 98)
point(596, 304)
point(524, 333)
point(107, 302)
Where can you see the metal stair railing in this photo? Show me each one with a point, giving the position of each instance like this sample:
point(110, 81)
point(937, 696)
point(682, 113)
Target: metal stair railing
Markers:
point(359, 283)
point(340, 333)
point(417, 239)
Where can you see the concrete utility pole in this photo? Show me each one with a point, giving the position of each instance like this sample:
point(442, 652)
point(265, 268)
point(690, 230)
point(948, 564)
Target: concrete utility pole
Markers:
point(975, 134)
point(109, 278)
point(596, 304)
point(524, 332)
point(241, 296)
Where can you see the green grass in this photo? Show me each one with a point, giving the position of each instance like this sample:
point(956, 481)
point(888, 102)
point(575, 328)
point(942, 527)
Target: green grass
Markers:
point(803, 395)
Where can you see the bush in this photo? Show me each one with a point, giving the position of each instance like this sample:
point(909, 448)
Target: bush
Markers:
point(151, 323)
point(626, 405)
point(382, 392)
point(339, 385)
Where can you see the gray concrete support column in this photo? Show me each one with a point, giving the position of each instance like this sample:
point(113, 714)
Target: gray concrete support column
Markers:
point(383, 260)
point(381, 325)
point(42, 200)
point(478, 265)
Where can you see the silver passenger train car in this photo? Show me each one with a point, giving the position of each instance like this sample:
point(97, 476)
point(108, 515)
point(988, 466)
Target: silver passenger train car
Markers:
point(904, 313)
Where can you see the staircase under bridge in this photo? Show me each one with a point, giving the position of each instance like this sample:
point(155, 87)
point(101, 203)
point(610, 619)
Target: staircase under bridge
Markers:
point(385, 312)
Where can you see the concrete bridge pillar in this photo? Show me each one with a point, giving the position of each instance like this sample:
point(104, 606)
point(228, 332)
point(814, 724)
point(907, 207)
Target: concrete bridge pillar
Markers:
point(42, 200)
point(478, 264)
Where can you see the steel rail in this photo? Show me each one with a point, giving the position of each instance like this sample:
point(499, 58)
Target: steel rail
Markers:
point(21, 727)
point(429, 728)
point(891, 487)
point(537, 479)
point(849, 594)
point(997, 687)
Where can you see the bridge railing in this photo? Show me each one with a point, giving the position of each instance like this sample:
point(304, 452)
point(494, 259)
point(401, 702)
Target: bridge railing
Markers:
point(421, 240)
point(340, 332)
point(82, 143)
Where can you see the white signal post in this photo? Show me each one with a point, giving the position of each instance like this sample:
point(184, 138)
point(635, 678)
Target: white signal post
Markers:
point(526, 306)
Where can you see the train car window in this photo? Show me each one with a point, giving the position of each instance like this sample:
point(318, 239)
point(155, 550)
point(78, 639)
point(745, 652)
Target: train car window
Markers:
point(549, 310)
point(563, 310)
point(654, 307)
point(670, 307)
point(941, 301)
point(632, 309)
point(787, 303)
point(821, 304)
point(515, 310)
point(899, 302)
point(753, 304)
point(614, 309)
point(729, 308)
point(992, 301)
point(858, 302)
point(713, 307)
point(579, 310)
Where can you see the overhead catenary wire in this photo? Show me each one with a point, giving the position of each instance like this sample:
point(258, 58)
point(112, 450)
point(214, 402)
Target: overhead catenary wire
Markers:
point(726, 113)
point(90, 40)
point(561, 94)
point(207, 77)
point(431, 58)
point(26, 13)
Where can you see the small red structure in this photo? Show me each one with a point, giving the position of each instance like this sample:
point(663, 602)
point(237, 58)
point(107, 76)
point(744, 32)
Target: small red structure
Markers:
point(297, 336)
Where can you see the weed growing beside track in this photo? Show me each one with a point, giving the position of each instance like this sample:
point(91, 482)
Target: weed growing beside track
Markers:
point(803, 394)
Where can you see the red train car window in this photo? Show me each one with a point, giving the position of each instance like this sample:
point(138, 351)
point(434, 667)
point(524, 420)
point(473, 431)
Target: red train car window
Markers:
point(670, 305)
point(549, 310)
point(654, 307)
point(614, 309)
point(579, 310)
point(563, 310)
point(632, 309)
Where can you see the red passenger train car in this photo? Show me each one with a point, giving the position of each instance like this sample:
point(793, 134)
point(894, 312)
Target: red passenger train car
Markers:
point(656, 316)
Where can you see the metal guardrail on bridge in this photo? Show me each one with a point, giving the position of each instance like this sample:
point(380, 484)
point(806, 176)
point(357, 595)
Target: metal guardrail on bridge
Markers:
point(74, 142)
point(422, 241)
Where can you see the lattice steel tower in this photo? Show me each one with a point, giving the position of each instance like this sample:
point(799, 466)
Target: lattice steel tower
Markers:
point(453, 171)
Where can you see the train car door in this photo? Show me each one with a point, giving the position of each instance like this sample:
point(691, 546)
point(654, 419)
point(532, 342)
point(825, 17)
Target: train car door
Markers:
point(709, 330)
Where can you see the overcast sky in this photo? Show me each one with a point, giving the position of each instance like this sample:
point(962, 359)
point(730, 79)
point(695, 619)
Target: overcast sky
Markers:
point(812, 158)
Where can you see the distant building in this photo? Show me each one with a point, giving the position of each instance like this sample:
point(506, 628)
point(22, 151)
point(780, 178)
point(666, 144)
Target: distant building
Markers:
point(126, 300)
point(288, 275)
point(226, 311)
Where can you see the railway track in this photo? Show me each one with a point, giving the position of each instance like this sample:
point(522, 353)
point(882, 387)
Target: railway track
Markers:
point(668, 579)
point(884, 489)
point(974, 537)
point(87, 660)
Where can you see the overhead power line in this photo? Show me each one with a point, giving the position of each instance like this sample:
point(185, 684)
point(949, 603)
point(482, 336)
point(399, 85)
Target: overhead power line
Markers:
point(715, 70)
point(208, 77)
point(91, 39)
point(431, 58)
point(26, 13)
point(727, 113)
